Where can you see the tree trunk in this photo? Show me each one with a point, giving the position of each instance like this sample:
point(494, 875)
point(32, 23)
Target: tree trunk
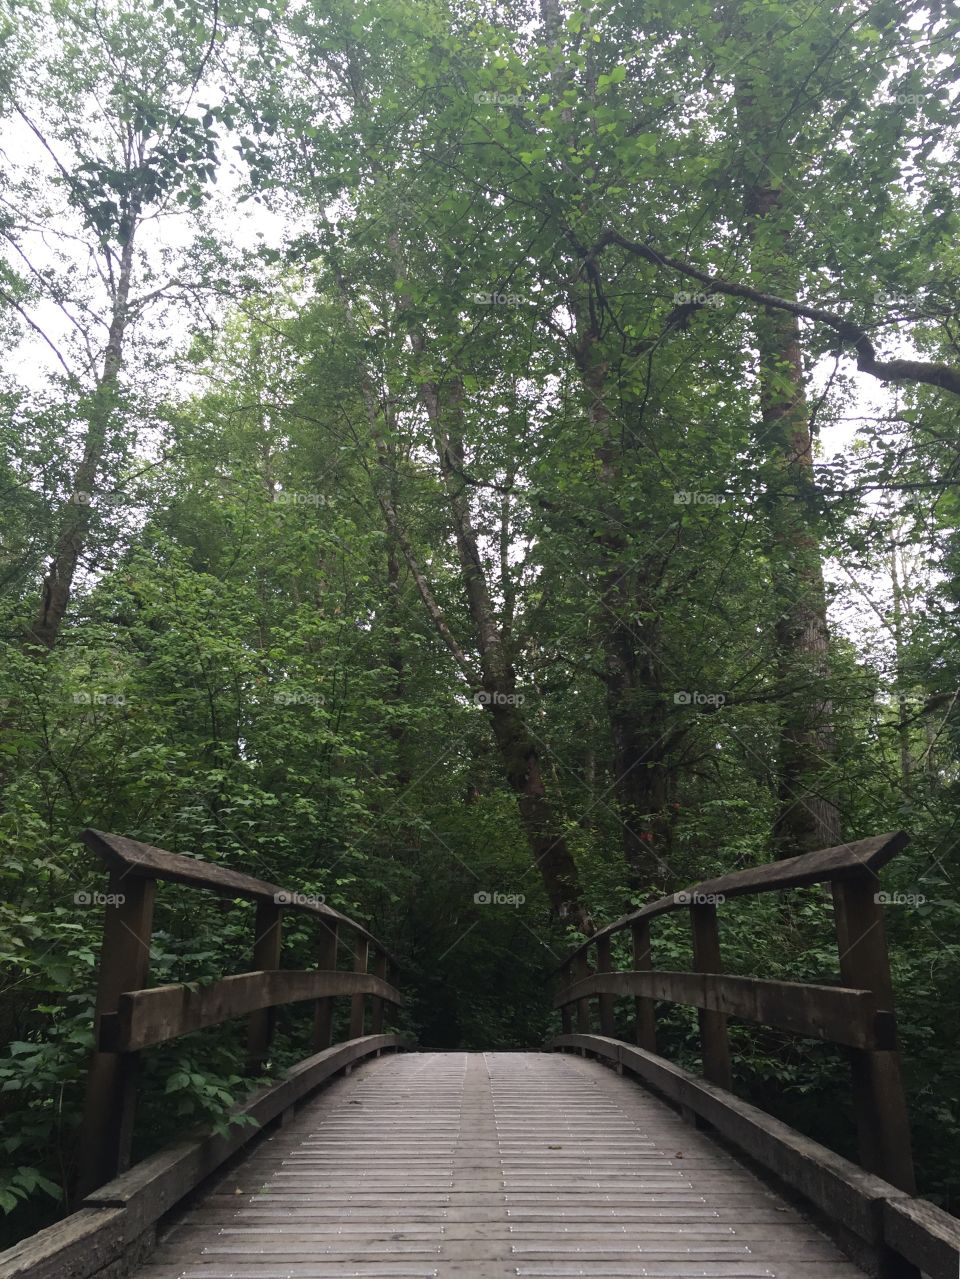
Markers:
point(806, 816)
point(73, 535)
point(518, 751)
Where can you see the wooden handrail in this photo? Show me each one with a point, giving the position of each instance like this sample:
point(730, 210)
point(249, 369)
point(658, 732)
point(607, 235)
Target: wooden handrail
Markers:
point(824, 865)
point(857, 1015)
point(130, 1016)
point(129, 857)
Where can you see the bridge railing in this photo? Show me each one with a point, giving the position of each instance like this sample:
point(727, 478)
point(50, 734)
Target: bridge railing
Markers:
point(857, 1013)
point(131, 1016)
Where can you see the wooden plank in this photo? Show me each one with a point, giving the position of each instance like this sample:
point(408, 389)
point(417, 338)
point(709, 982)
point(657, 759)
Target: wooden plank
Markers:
point(834, 1014)
point(927, 1236)
point(158, 1183)
point(267, 945)
point(139, 860)
point(645, 1015)
point(793, 872)
point(610, 1184)
point(74, 1248)
point(606, 1002)
point(110, 1102)
point(883, 1123)
point(842, 1191)
point(358, 1001)
point(323, 1012)
point(162, 1013)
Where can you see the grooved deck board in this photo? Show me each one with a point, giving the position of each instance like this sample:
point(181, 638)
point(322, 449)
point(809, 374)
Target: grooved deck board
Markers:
point(483, 1165)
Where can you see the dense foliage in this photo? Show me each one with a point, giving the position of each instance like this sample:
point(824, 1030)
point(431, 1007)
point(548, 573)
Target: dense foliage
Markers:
point(454, 447)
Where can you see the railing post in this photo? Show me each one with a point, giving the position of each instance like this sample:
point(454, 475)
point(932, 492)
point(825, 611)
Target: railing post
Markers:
point(581, 969)
point(566, 1011)
point(713, 1025)
point(644, 1009)
point(110, 1103)
point(606, 1004)
point(323, 1009)
point(379, 969)
point(267, 941)
point(883, 1123)
point(357, 1002)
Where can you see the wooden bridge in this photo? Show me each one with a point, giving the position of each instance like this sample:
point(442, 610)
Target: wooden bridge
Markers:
point(595, 1157)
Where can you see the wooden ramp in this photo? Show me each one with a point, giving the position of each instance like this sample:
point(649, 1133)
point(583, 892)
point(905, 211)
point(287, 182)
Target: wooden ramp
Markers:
point(487, 1165)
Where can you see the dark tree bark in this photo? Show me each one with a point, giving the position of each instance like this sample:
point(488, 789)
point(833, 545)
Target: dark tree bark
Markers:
point(806, 816)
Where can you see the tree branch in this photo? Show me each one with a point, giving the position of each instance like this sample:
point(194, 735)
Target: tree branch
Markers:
point(944, 376)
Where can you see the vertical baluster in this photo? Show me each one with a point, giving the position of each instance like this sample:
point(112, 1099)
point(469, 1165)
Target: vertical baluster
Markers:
point(606, 1004)
point(267, 943)
point(110, 1103)
point(713, 1025)
point(883, 1123)
point(357, 1002)
point(581, 968)
point(566, 1011)
point(323, 1009)
point(644, 1009)
point(379, 969)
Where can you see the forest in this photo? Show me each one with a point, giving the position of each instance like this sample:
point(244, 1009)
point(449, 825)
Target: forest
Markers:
point(484, 464)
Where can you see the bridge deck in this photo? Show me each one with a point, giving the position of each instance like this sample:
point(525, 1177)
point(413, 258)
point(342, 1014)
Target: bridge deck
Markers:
point(491, 1164)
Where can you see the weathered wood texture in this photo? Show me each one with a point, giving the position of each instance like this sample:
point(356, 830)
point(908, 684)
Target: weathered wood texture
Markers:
point(885, 1218)
point(857, 1015)
point(132, 860)
point(116, 1217)
point(129, 1017)
point(110, 1100)
point(834, 1013)
point(883, 1124)
point(483, 1166)
point(153, 1016)
point(488, 1165)
point(862, 856)
point(323, 1013)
